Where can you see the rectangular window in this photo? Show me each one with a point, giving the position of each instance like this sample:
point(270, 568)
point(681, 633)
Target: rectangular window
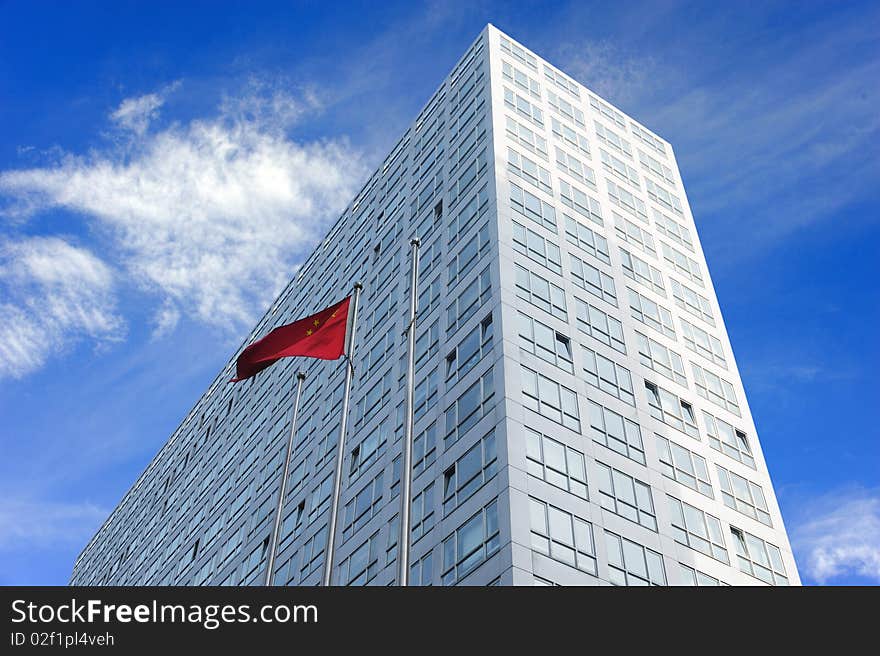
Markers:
point(580, 202)
point(692, 302)
point(469, 300)
point(561, 81)
point(660, 195)
point(523, 107)
point(468, 214)
point(632, 564)
point(693, 577)
point(469, 473)
point(570, 136)
point(671, 410)
point(626, 496)
point(682, 263)
point(470, 254)
point(683, 466)
point(422, 571)
point(607, 111)
point(575, 168)
point(562, 536)
point(656, 167)
point(550, 399)
point(475, 402)
point(635, 235)
point(743, 496)
point(363, 507)
point(616, 432)
point(425, 394)
point(424, 449)
point(600, 326)
point(696, 529)
point(556, 463)
point(532, 207)
point(625, 200)
point(661, 359)
point(758, 558)
point(362, 565)
point(648, 139)
point(422, 517)
point(728, 440)
point(608, 376)
point(519, 53)
point(597, 282)
point(715, 389)
point(545, 342)
point(471, 544)
point(529, 170)
point(369, 449)
point(566, 109)
point(527, 138)
point(637, 270)
point(541, 293)
point(470, 350)
point(618, 168)
point(670, 228)
point(522, 80)
point(536, 248)
point(611, 138)
point(702, 343)
point(427, 344)
point(581, 236)
point(650, 313)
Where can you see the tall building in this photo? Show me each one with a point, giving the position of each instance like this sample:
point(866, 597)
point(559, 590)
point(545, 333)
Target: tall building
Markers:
point(579, 415)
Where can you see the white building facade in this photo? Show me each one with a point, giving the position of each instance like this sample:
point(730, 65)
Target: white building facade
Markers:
point(579, 415)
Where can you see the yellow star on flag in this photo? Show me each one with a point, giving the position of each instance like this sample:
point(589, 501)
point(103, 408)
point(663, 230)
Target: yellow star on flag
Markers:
point(309, 332)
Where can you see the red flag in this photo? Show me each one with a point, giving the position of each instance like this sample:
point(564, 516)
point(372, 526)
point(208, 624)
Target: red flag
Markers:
point(321, 335)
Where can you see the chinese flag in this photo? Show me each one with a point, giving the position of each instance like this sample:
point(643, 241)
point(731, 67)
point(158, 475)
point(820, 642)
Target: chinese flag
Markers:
point(321, 335)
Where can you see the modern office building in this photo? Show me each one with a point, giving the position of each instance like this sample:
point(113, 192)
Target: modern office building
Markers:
point(579, 415)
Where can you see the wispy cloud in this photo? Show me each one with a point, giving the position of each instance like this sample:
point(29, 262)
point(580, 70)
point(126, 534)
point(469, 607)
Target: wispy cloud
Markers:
point(211, 216)
point(838, 535)
point(54, 293)
point(35, 524)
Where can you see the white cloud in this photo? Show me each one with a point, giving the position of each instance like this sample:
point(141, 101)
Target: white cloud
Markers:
point(31, 524)
point(55, 293)
point(839, 535)
point(212, 216)
point(136, 114)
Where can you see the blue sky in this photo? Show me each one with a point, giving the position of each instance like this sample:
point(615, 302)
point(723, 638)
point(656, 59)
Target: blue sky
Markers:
point(163, 169)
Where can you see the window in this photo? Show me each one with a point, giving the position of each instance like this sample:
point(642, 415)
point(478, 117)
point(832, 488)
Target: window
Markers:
point(580, 202)
point(550, 399)
point(422, 571)
point(618, 168)
point(683, 466)
point(671, 410)
point(561, 81)
point(522, 80)
point(682, 263)
point(575, 168)
point(626, 496)
point(650, 313)
point(544, 342)
point(648, 138)
point(758, 558)
point(425, 394)
point(566, 109)
point(468, 214)
point(664, 361)
point(469, 256)
point(670, 228)
point(630, 232)
point(597, 282)
point(697, 530)
point(422, 518)
point(581, 236)
point(636, 269)
point(702, 343)
point(363, 507)
point(469, 300)
point(519, 53)
point(556, 463)
point(571, 137)
point(743, 496)
point(656, 167)
point(616, 432)
point(607, 111)
point(532, 207)
point(424, 449)
point(363, 564)
point(728, 440)
point(527, 138)
point(625, 200)
point(541, 293)
point(523, 107)
point(367, 452)
point(562, 536)
point(612, 139)
point(632, 564)
point(470, 350)
point(320, 499)
point(471, 544)
point(660, 195)
point(692, 302)
point(469, 174)
point(529, 170)
point(608, 376)
point(468, 474)
point(475, 402)
point(693, 577)
point(536, 248)
point(600, 326)
point(715, 389)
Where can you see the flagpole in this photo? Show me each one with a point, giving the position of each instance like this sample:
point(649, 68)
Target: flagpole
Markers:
point(406, 465)
point(340, 445)
point(273, 544)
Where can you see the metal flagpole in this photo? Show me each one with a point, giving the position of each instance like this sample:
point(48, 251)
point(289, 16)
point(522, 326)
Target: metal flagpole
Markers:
point(273, 543)
point(406, 465)
point(340, 445)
